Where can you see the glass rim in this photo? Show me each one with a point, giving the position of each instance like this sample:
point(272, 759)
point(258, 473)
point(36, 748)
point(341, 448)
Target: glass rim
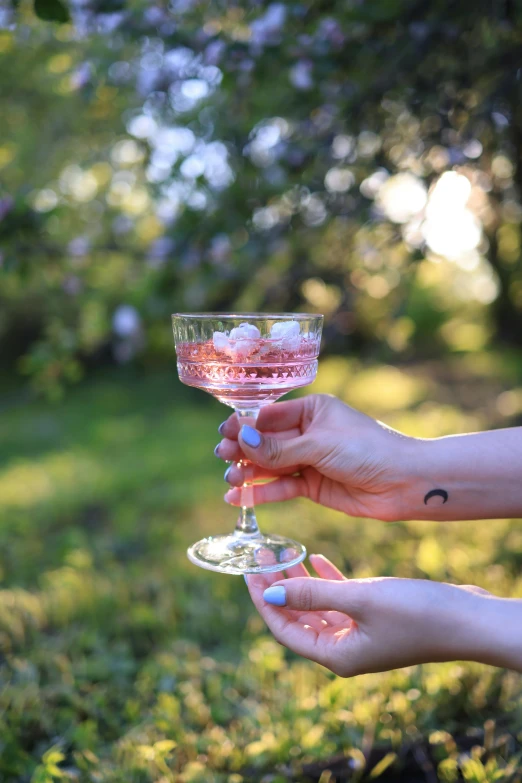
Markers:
point(255, 316)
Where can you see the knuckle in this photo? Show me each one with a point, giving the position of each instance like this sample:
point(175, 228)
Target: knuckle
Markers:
point(304, 596)
point(273, 451)
point(325, 397)
point(235, 478)
point(476, 590)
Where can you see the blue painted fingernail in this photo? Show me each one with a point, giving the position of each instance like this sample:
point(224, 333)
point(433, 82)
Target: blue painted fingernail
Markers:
point(216, 450)
point(220, 428)
point(250, 436)
point(227, 471)
point(275, 595)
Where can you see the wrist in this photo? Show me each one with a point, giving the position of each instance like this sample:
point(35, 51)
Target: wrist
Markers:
point(466, 627)
point(408, 465)
point(474, 476)
point(442, 481)
point(497, 639)
point(456, 631)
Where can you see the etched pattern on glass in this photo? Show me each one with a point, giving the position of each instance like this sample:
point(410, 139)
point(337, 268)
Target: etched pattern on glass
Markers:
point(268, 374)
point(267, 369)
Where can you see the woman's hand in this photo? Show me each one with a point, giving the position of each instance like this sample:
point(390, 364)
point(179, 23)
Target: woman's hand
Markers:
point(356, 626)
point(318, 447)
point(322, 449)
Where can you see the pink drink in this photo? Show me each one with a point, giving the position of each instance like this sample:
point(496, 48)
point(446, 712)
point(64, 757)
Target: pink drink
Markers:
point(249, 371)
point(247, 360)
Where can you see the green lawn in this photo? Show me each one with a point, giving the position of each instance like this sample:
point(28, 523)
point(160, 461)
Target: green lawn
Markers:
point(124, 663)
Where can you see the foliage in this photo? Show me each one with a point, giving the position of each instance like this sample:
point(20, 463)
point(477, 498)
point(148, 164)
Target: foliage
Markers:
point(125, 664)
point(363, 161)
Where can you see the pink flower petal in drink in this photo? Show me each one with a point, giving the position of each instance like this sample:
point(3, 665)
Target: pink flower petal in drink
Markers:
point(221, 342)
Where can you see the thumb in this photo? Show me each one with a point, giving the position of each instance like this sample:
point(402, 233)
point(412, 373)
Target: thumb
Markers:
point(308, 595)
point(270, 452)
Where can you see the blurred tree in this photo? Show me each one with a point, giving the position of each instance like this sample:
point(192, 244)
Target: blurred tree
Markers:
point(363, 161)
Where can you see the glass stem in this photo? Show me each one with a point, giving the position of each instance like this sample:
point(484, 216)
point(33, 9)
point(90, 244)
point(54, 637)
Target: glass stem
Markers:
point(246, 522)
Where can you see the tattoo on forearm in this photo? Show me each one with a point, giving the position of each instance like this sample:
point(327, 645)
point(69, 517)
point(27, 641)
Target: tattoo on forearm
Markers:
point(436, 493)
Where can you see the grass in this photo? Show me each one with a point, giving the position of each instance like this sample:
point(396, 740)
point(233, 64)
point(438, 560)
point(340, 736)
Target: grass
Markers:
point(122, 663)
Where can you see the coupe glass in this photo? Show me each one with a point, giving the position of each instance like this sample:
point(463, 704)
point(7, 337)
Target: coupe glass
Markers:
point(247, 360)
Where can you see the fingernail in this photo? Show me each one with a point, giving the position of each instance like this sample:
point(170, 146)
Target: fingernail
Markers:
point(250, 436)
point(245, 578)
point(220, 428)
point(216, 450)
point(225, 498)
point(275, 595)
point(227, 471)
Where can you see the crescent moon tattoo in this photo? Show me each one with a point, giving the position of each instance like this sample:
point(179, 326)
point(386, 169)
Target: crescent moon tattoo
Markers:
point(436, 493)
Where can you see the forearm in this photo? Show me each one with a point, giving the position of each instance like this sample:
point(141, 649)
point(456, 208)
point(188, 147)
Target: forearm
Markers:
point(476, 476)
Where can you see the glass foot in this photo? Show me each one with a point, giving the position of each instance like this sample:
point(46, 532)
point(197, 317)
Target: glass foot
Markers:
point(237, 553)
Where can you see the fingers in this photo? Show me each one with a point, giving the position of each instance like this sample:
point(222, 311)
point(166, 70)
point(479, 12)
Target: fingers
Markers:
point(260, 582)
point(284, 415)
point(229, 448)
point(271, 451)
point(276, 441)
point(325, 568)
point(309, 595)
point(279, 417)
point(257, 584)
point(230, 427)
point(284, 488)
point(286, 628)
point(298, 570)
point(236, 475)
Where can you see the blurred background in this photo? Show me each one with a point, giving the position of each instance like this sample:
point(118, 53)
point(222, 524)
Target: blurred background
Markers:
point(360, 159)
